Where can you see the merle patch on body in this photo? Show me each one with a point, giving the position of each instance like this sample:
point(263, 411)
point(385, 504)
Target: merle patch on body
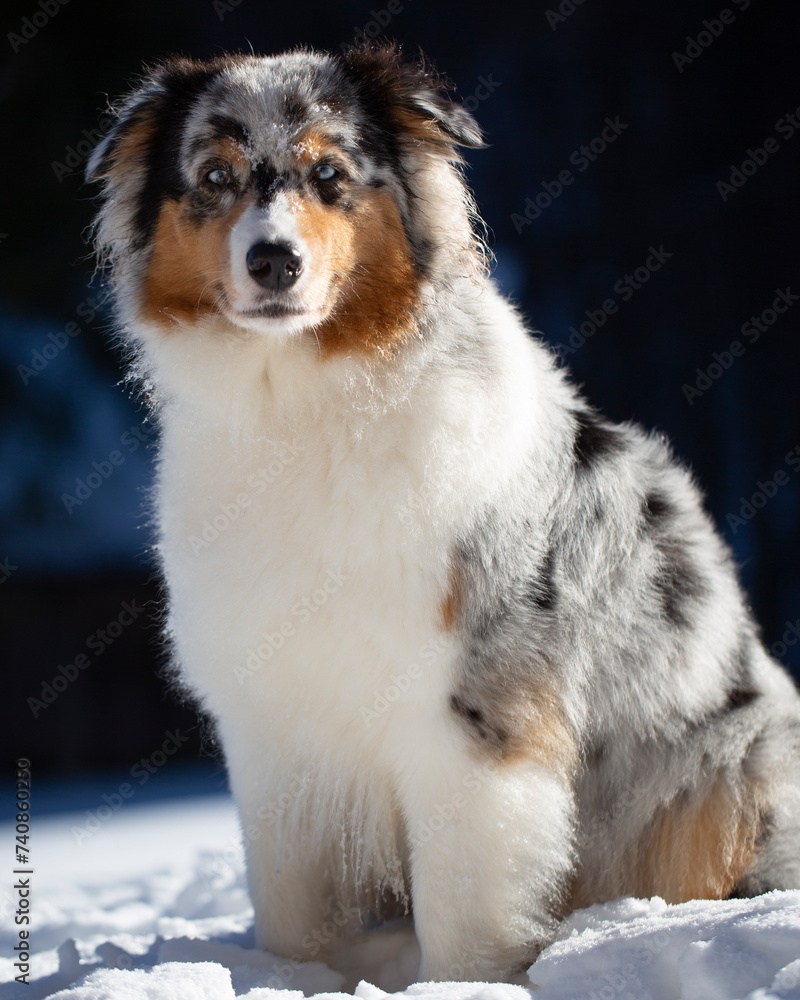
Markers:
point(741, 698)
point(657, 508)
point(678, 581)
point(743, 690)
point(542, 591)
point(492, 735)
point(595, 440)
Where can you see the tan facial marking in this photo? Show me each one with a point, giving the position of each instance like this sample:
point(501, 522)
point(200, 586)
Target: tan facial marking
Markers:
point(189, 263)
point(233, 152)
point(311, 146)
point(372, 272)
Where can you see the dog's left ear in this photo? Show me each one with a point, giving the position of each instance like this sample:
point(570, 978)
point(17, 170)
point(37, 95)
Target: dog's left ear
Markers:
point(413, 96)
point(454, 120)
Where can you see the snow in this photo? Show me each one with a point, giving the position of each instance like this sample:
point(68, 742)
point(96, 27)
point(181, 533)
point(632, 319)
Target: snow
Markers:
point(148, 902)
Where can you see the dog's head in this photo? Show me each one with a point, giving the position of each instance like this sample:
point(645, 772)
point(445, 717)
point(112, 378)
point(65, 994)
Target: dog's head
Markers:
point(298, 195)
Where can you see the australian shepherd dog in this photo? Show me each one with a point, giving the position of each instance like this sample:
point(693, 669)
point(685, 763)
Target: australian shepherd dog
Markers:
point(473, 651)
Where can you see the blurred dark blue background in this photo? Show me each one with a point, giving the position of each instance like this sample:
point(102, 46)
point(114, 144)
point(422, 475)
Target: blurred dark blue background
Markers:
point(78, 596)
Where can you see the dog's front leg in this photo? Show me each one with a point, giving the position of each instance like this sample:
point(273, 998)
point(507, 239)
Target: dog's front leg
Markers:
point(287, 868)
point(292, 917)
point(491, 849)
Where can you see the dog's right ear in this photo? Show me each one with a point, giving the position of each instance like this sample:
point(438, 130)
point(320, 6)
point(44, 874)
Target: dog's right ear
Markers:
point(138, 161)
point(163, 92)
point(129, 139)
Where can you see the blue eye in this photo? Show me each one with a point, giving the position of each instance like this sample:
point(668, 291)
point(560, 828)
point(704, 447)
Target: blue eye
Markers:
point(219, 177)
point(325, 172)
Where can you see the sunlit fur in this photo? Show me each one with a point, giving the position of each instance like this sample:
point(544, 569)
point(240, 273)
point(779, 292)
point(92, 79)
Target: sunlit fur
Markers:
point(471, 649)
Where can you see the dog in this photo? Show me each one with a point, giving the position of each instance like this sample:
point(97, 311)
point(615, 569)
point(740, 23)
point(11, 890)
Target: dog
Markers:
point(473, 651)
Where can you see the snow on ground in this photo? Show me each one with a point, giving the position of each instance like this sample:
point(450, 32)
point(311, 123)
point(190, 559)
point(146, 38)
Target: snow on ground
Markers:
point(149, 903)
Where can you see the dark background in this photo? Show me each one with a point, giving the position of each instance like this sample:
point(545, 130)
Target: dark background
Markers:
point(541, 88)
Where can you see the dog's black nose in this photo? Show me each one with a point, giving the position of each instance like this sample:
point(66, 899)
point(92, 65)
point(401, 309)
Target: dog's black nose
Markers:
point(274, 265)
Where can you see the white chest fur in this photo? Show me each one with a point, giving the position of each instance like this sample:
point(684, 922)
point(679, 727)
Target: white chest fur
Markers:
point(306, 529)
point(305, 573)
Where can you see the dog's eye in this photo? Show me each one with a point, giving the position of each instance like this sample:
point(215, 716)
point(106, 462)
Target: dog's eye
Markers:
point(325, 172)
point(219, 177)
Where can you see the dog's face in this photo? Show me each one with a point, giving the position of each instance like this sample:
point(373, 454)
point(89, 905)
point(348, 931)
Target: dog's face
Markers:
point(283, 194)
